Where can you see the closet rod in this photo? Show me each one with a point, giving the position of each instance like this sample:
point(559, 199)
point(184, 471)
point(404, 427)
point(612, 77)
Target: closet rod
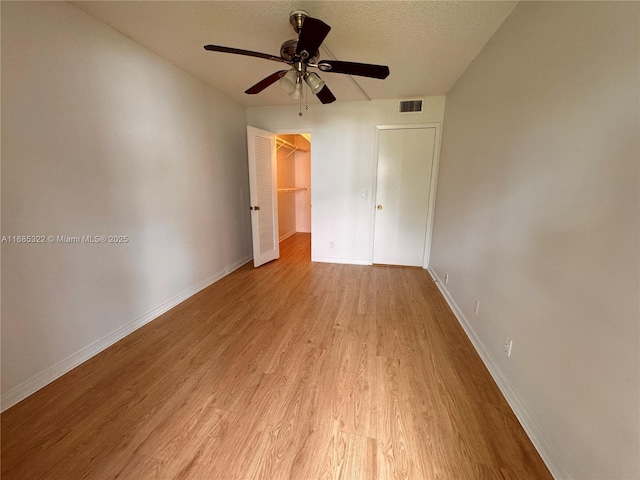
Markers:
point(283, 142)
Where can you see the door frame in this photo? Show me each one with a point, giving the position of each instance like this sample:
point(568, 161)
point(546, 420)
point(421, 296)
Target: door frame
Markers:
point(298, 131)
point(432, 193)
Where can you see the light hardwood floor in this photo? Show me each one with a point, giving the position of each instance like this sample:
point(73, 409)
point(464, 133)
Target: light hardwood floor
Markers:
point(295, 370)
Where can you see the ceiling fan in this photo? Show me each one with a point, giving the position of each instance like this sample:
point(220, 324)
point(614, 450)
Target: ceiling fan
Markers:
point(302, 53)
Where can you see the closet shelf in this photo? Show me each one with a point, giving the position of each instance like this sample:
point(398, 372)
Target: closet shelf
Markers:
point(297, 189)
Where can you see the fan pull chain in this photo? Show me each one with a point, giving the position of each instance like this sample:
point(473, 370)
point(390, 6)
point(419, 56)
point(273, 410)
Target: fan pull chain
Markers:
point(300, 102)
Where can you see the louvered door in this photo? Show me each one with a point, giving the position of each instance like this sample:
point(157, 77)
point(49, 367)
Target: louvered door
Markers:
point(264, 197)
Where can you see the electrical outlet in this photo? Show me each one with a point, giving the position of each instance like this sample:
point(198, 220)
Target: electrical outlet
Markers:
point(446, 278)
point(331, 244)
point(477, 305)
point(364, 194)
point(508, 345)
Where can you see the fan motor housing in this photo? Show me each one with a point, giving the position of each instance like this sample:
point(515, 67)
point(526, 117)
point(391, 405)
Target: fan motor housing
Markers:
point(288, 51)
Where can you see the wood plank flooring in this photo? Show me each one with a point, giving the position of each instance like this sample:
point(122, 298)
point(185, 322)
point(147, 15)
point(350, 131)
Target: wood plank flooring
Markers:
point(295, 370)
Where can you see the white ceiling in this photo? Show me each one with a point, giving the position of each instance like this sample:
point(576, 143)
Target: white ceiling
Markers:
point(426, 44)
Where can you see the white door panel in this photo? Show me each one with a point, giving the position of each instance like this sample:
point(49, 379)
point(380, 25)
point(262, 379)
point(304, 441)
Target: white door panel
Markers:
point(405, 161)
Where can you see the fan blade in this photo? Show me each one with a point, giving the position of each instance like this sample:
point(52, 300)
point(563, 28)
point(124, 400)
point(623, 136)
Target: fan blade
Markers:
point(312, 35)
point(248, 53)
point(325, 95)
point(353, 68)
point(265, 82)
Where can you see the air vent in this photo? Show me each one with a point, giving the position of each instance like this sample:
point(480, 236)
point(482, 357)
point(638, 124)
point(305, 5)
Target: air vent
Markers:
point(410, 106)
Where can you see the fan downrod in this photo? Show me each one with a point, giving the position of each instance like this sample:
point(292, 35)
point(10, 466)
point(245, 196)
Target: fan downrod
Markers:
point(289, 48)
point(296, 19)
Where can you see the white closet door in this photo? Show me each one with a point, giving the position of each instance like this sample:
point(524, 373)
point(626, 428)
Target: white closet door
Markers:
point(264, 196)
point(405, 161)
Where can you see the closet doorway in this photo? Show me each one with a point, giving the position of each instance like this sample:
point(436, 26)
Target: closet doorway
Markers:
point(293, 153)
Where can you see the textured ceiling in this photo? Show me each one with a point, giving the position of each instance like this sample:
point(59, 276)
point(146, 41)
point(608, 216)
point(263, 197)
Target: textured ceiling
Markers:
point(427, 45)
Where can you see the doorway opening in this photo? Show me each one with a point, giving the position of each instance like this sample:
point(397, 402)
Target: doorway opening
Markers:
point(293, 153)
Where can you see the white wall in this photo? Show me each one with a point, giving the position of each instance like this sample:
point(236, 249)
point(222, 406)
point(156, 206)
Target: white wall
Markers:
point(537, 216)
point(303, 180)
point(342, 161)
point(102, 137)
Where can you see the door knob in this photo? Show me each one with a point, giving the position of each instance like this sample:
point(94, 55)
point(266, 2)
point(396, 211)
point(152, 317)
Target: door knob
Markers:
point(379, 207)
point(254, 208)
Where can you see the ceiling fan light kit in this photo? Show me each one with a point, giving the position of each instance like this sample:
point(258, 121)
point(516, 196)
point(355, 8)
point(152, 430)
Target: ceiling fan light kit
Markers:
point(296, 94)
point(288, 81)
point(301, 53)
point(314, 81)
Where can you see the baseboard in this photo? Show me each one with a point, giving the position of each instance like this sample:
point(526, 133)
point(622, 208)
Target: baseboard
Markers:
point(347, 261)
point(546, 450)
point(285, 236)
point(42, 379)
